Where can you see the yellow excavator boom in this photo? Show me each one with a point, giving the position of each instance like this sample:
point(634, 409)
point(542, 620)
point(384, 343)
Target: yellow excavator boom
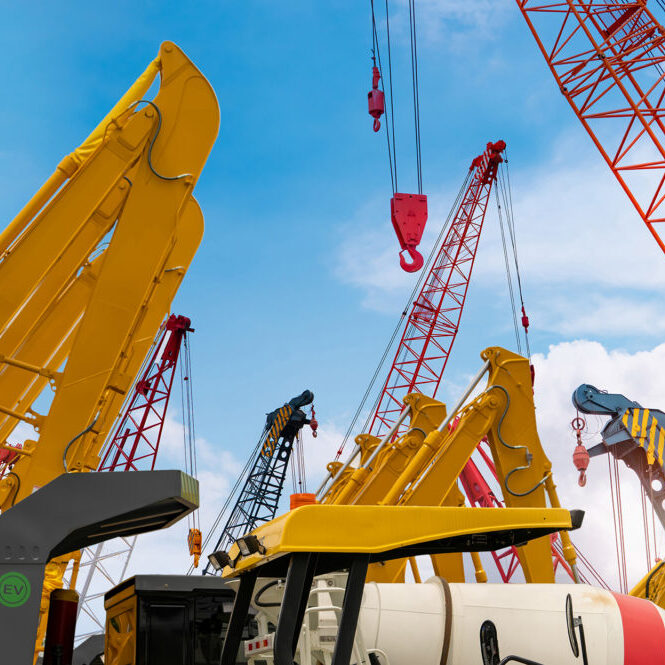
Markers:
point(422, 466)
point(88, 271)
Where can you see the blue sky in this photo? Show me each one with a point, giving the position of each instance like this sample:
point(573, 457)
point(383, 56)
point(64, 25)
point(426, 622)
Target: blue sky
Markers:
point(296, 284)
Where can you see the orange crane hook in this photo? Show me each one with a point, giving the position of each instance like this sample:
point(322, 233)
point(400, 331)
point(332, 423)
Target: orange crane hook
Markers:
point(580, 454)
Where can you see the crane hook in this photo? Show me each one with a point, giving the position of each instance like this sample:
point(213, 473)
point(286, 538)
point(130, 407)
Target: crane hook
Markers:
point(580, 454)
point(416, 260)
point(314, 423)
point(376, 99)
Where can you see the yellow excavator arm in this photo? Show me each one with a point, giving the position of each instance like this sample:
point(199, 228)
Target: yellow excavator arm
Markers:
point(422, 466)
point(88, 270)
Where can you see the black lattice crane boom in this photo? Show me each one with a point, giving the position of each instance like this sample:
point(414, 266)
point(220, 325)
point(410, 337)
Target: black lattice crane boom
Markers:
point(259, 498)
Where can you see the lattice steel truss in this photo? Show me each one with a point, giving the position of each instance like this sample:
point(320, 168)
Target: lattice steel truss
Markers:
point(607, 58)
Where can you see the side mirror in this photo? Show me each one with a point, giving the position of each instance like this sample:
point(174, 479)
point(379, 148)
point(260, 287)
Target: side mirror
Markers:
point(489, 648)
point(489, 644)
point(575, 623)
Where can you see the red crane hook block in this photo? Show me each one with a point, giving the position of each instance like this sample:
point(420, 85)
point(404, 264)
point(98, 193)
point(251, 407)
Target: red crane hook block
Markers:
point(409, 216)
point(376, 99)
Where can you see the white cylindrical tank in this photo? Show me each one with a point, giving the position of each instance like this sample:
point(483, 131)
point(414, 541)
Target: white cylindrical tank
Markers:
point(439, 624)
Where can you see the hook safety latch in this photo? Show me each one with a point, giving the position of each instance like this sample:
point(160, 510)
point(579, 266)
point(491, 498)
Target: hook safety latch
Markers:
point(409, 216)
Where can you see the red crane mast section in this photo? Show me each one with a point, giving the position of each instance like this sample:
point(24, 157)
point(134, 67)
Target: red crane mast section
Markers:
point(135, 441)
point(435, 314)
point(607, 58)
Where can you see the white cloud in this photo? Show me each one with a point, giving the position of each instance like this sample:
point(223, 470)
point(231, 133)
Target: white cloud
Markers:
point(592, 314)
point(575, 226)
point(454, 23)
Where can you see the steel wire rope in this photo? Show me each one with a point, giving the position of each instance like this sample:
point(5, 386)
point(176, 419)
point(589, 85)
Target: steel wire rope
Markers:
point(376, 52)
point(653, 516)
point(645, 527)
point(508, 275)
point(392, 108)
point(405, 312)
point(188, 430)
point(301, 459)
point(617, 521)
point(232, 494)
point(416, 93)
point(501, 190)
point(504, 184)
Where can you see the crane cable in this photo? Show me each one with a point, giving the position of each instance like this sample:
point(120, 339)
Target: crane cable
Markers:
point(508, 273)
point(188, 429)
point(376, 56)
point(231, 495)
point(298, 475)
point(405, 312)
point(503, 194)
point(416, 94)
point(617, 519)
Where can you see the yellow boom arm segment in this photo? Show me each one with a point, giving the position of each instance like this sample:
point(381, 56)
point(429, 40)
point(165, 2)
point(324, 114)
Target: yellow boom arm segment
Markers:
point(89, 268)
point(422, 466)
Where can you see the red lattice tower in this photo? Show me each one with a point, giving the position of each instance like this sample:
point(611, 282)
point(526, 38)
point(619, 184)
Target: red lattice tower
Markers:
point(434, 317)
point(607, 58)
point(136, 438)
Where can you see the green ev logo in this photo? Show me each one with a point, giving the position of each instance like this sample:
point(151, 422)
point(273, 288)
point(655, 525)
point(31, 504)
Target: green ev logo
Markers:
point(14, 589)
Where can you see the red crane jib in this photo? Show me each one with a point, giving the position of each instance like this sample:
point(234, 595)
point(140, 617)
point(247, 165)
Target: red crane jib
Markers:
point(135, 440)
point(432, 324)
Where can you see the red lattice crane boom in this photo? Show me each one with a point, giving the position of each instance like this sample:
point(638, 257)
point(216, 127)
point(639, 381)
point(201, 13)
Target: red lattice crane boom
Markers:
point(435, 314)
point(136, 437)
point(607, 58)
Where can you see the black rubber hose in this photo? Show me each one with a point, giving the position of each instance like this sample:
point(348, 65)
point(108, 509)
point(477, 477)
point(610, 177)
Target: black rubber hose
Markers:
point(262, 590)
